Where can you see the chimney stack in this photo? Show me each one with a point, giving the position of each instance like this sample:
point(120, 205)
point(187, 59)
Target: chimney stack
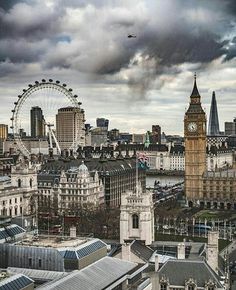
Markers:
point(156, 263)
point(181, 251)
point(126, 252)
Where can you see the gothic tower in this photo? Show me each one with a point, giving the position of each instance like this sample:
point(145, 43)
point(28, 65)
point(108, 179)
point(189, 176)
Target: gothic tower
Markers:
point(195, 147)
point(137, 216)
point(213, 126)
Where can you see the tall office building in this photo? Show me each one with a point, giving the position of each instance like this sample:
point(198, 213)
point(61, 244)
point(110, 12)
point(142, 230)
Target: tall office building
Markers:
point(37, 122)
point(102, 123)
point(3, 131)
point(213, 126)
point(3, 135)
point(70, 127)
point(156, 134)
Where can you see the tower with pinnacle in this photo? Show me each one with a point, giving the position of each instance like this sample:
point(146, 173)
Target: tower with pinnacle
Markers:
point(137, 216)
point(213, 126)
point(195, 146)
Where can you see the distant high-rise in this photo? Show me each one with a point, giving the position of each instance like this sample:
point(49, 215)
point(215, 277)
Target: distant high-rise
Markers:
point(230, 128)
point(3, 135)
point(213, 126)
point(70, 127)
point(37, 122)
point(3, 131)
point(102, 123)
point(156, 134)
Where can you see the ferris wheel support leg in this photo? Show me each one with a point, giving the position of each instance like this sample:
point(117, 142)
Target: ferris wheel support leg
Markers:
point(57, 144)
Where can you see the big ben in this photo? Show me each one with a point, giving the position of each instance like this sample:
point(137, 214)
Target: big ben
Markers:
point(195, 147)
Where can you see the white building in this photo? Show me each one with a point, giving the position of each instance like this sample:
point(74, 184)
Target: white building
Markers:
point(17, 193)
point(70, 190)
point(137, 217)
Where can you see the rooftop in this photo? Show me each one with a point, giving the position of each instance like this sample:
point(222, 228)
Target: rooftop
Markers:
point(179, 271)
point(96, 276)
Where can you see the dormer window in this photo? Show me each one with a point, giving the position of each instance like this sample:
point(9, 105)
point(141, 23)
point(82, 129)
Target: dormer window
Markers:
point(163, 286)
point(210, 285)
point(190, 284)
point(164, 283)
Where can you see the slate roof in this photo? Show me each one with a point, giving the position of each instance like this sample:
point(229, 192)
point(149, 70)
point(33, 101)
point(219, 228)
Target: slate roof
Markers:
point(195, 92)
point(142, 251)
point(195, 108)
point(177, 149)
point(82, 250)
point(96, 276)
point(101, 165)
point(15, 282)
point(10, 231)
point(37, 275)
point(178, 271)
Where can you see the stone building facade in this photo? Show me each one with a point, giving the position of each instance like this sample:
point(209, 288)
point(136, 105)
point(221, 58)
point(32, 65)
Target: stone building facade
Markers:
point(116, 174)
point(72, 189)
point(17, 194)
point(137, 216)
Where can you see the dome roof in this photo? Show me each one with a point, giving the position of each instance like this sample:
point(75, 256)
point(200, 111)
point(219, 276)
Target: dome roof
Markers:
point(83, 168)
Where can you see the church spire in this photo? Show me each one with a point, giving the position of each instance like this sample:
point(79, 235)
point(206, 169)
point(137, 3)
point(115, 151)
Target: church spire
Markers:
point(195, 92)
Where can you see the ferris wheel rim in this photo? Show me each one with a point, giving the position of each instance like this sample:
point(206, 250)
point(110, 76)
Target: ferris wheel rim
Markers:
point(55, 85)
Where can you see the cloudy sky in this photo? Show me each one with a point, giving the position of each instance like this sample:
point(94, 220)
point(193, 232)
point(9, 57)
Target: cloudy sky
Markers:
point(134, 82)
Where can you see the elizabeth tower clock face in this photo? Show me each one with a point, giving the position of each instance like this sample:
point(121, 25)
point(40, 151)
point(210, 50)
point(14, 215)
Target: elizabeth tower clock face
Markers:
point(192, 127)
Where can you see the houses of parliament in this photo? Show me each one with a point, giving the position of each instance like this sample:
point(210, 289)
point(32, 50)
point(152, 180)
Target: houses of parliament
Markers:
point(207, 189)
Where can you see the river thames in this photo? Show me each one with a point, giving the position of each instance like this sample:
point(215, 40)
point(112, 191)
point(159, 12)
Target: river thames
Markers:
point(163, 179)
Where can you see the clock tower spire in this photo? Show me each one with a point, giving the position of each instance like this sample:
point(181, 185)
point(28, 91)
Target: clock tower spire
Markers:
point(195, 146)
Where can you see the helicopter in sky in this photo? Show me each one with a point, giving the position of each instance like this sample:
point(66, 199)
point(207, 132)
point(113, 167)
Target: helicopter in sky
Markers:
point(132, 36)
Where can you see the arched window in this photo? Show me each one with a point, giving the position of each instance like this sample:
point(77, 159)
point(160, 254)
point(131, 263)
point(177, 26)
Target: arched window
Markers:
point(135, 221)
point(19, 182)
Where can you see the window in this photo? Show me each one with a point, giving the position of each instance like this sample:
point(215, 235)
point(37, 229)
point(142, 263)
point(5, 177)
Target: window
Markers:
point(163, 286)
point(31, 183)
point(15, 200)
point(30, 262)
point(40, 263)
point(19, 182)
point(15, 210)
point(210, 288)
point(191, 287)
point(135, 221)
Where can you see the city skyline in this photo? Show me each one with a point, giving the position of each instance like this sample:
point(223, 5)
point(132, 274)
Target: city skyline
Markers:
point(149, 78)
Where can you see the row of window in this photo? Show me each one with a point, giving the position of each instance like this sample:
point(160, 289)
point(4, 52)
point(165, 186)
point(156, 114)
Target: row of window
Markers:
point(4, 202)
point(11, 211)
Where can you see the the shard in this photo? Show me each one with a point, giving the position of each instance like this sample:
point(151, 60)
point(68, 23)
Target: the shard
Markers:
point(213, 126)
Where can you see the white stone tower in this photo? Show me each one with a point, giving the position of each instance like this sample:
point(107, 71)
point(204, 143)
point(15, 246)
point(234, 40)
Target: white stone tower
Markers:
point(137, 217)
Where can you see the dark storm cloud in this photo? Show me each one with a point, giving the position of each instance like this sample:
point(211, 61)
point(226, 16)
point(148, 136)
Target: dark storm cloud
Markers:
point(91, 36)
point(8, 4)
point(29, 20)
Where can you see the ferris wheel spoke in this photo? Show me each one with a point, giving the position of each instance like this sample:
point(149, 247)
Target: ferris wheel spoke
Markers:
point(49, 96)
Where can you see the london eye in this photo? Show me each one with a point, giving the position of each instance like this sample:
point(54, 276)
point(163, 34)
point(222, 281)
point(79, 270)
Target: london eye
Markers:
point(47, 97)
